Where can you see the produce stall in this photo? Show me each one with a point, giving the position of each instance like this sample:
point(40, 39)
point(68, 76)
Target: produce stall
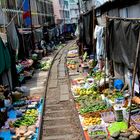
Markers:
point(102, 105)
point(20, 115)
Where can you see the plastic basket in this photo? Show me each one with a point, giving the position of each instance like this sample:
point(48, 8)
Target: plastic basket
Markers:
point(108, 116)
point(134, 118)
point(92, 130)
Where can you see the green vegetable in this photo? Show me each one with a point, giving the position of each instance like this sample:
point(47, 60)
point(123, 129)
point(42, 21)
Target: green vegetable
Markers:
point(84, 56)
point(98, 132)
point(97, 106)
point(26, 120)
point(117, 126)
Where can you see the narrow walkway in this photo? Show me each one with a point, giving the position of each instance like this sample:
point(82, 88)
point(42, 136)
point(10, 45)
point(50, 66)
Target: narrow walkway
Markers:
point(60, 121)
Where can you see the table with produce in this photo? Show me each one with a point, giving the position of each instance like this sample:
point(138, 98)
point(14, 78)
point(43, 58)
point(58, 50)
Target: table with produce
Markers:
point(104, 111)
point(20, 115)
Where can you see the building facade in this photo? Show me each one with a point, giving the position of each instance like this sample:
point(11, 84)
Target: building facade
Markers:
point(41, 11)
point(61, 11)
point(74, 11)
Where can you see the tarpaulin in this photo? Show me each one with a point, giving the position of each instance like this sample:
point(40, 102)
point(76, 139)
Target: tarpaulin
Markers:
point(3, 18)
point(81, 32)
point(38, 34)
point(123, 38)
point(5, 59)
point(88, 29)
point(26, 13)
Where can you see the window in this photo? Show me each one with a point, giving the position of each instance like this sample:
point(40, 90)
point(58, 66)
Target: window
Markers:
point(66, 4)
point(76, 11)
point(67, 14)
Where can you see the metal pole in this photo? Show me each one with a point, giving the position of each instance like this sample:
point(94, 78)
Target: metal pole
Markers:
point(32, 34)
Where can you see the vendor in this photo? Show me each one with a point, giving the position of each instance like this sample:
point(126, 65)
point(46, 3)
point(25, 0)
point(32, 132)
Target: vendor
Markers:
point(8, 99)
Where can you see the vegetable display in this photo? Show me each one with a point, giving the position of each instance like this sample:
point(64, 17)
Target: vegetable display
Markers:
point(98, 132)
point(112, 95)
point(117, 126)
point(126, 135)
point(45, 65)
point(86, 91)
point(28, 119)
point(93, 107)
point(96, 100)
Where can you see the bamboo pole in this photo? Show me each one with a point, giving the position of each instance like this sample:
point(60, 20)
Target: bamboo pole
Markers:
point(134, 77)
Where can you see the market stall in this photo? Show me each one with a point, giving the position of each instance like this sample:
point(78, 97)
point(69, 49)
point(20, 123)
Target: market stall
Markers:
point(103, 104)
point(20, 115)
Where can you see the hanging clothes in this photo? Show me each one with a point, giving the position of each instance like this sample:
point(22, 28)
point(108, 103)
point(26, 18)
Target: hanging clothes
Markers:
point(5, 59)
point(98, 34)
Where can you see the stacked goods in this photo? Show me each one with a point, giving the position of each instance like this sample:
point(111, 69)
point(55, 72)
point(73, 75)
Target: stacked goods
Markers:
point(72, 53)
point(71, 64)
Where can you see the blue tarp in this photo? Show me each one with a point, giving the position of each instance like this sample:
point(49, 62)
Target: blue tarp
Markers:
point(26, 8)
point(12, 115)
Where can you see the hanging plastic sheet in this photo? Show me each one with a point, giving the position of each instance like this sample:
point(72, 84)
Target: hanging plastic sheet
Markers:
point(38, 34)
point(5, 60)
point(81, 32)
point(12, 35)
point(123, 38)
point(88, 29)
point(3, 18)
point(25, 44)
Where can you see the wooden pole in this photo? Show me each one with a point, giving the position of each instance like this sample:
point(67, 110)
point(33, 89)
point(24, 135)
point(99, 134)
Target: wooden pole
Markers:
point(134, 77)
point(106, 29)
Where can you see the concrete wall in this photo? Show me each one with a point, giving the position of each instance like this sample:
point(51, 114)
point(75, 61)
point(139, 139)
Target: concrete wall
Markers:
point(56, 7)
